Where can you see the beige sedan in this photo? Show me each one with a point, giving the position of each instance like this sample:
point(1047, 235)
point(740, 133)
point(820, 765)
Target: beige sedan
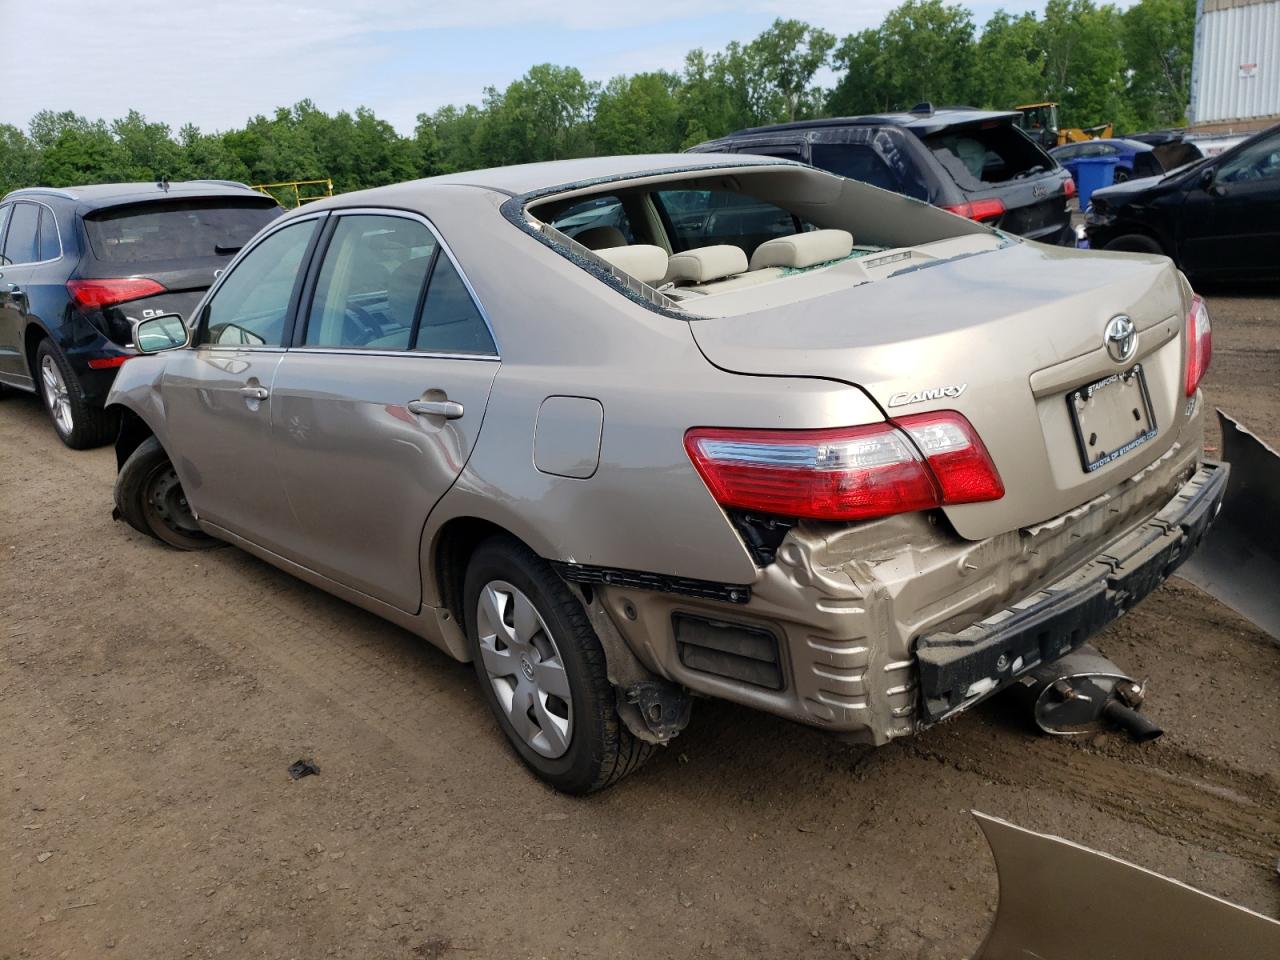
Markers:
point(629, 431)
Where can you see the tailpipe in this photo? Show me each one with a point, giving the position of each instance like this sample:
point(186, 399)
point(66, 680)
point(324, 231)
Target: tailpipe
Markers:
point(1085, 693)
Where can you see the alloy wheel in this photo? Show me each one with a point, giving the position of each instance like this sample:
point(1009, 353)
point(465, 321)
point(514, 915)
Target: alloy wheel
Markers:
point(525, 668)
point(56, 395)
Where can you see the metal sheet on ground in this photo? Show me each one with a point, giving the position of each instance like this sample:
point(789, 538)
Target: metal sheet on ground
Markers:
point(1239, 561)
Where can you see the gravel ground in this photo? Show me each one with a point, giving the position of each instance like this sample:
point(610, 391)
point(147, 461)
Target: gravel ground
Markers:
point(152, 702)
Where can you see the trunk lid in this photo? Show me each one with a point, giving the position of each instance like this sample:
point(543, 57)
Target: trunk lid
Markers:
point(1005, 338)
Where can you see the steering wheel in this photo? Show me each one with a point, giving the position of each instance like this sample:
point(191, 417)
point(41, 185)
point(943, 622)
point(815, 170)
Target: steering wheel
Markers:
point(368, 327)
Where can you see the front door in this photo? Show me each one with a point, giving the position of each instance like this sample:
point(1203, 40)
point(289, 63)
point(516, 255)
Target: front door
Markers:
point(376, 407)
point(15, 272)
point(1232, 226)
point(218, 394)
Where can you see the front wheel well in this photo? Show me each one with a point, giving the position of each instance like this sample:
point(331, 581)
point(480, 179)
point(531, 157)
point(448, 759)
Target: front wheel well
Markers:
point(133, 431)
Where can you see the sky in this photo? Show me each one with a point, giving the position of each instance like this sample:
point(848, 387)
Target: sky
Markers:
point(216, 63)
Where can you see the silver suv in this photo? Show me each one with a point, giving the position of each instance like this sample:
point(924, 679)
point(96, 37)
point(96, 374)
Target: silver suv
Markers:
point(860, 464)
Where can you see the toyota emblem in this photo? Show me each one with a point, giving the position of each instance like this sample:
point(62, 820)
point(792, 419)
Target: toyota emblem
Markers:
point(1121, 339)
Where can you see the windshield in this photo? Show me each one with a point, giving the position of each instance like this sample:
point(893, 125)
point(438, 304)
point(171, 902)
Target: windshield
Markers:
point(176, 230)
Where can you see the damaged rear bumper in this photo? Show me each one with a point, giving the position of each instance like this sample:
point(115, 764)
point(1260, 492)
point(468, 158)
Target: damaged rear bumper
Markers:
point(958, 669)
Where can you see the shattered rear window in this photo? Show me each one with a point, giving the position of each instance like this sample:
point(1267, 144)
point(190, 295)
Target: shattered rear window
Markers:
point(978, 154)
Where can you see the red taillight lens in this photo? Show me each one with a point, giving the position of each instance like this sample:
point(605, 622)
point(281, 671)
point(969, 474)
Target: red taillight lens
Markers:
point(96, 294)
point(106, 363)
point(1199, 344)
point(847, 473)
point(1069, 188)
point(980, 210)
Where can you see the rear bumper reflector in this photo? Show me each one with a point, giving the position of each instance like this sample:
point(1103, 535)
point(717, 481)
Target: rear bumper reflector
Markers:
point(106, 363)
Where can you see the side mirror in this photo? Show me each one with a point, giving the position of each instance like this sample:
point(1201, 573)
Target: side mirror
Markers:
point(166, 331)
point(1208, 176)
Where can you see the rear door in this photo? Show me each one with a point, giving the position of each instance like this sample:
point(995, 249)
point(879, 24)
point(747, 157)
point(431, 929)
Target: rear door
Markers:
point(375, 409)
point(217, 395)
point(1233, 225)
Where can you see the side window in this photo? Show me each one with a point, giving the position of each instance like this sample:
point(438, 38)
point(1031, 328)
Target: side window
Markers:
point(370, 283)
point(50, 247)
point(598, 223)
point(20, 245)
point(451, 322)
point(857, 161)
point(5, 210)
point(1259, 161)
point(251, 305)
point(703, 218)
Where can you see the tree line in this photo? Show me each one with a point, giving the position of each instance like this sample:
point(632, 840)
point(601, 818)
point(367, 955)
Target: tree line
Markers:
point(1099, 63)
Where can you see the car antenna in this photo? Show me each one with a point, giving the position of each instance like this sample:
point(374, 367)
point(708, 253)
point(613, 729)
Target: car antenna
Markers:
point(163, 182)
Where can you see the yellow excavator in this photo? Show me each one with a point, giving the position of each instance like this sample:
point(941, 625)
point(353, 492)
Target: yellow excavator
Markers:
point(1040, 122)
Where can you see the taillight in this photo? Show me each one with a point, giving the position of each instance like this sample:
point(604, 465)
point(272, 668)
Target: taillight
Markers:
point(96, 294)
point(1069, 188)
point(980, 210)
point(1199, 344)
point(846, 473)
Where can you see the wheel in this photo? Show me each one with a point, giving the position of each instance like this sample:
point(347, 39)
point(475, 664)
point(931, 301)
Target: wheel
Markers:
point(79, 424)
point(542, 670)
point(150, 498)
point(1135, 243)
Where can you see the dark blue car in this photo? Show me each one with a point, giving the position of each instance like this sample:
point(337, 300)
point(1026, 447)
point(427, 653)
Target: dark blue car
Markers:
point(1133, 158)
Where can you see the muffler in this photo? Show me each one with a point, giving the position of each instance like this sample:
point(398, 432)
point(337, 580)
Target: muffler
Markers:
point(1083, 693)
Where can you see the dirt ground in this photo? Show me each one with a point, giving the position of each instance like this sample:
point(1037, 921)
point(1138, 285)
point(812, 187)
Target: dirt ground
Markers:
point(151, 702)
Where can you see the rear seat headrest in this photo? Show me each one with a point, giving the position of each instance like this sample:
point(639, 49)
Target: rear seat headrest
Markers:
point(598, 238)
point(645, 262)
point(803, 249)
point(704, 264)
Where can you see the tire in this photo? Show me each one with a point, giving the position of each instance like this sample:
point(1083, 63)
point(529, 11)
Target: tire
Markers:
point(78, 423)
point(150, 499)
point(576, 744)
point(1135, 243)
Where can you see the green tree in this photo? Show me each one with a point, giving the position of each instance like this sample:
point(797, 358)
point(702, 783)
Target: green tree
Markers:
point(19, 159)
point(923, 50)
point(1009, 68)
point(1084, 63)
point(790, 53)
point(1157, 51)
point(639, 114)
point(149, 151)
point(542, 116)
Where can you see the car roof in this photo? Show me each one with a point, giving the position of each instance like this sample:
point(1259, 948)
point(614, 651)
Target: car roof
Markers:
point(95, 195)
point(536, 178)
point(921, 123)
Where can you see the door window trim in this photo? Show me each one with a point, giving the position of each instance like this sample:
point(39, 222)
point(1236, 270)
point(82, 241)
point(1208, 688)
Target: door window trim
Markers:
point(33, 263)
point(298, 332)
point(291, 310)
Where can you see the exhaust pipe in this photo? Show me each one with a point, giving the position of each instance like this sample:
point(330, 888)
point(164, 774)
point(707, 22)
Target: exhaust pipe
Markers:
point(1084, 693)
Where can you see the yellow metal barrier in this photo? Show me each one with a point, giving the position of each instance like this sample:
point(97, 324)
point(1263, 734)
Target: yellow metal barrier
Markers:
point(299, 196)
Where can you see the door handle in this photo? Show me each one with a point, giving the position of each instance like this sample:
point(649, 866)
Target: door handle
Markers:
point(449, 409)
point(255, 393)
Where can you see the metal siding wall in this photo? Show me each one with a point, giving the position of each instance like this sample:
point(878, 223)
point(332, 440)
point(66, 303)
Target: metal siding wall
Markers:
point(1224, 40)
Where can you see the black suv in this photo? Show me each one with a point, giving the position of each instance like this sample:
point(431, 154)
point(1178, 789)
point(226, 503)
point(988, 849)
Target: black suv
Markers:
point(976, 163)
point(79, 266)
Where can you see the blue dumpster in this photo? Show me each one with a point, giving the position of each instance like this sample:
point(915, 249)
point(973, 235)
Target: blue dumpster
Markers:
point(1093, 173)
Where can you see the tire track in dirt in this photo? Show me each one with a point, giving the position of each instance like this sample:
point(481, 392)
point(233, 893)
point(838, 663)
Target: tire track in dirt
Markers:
point(1173, 793)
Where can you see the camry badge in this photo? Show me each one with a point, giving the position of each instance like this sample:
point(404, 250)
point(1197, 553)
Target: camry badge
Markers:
point(1120, 338)
point(949, 392)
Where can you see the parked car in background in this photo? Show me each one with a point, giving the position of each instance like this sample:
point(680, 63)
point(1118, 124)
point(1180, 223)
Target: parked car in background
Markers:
point(80, 266)
point(1218, 218)
point(1133, 158)
point(800, 444)
point(976, 163)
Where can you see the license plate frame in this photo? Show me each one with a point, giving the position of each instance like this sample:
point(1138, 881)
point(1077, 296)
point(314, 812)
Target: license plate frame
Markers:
point(1087, 418)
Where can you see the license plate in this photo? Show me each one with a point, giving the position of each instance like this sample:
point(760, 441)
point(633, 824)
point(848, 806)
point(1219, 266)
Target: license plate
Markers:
point(1111, 417)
